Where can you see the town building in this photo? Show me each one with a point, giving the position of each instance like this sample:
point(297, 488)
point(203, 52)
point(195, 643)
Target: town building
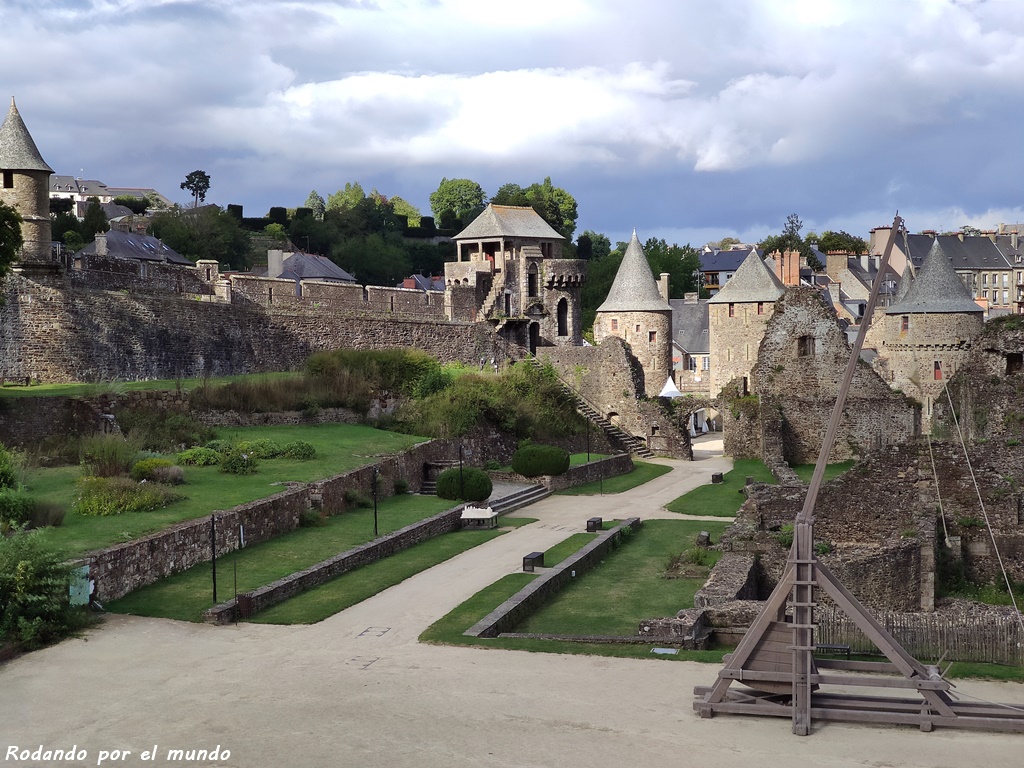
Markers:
point(25, 184)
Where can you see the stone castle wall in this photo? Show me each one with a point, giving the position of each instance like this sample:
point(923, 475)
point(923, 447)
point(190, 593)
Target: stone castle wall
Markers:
point(52, 331)
point(734, 340)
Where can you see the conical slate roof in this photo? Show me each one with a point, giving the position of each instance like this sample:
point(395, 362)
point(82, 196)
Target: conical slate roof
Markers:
point(508, 221)
point(753, 281)
point(17, 150)
point(936, 288)
point(905, 282)
point(634, 288)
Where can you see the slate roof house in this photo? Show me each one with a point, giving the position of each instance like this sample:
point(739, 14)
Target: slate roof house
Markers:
point(691, 344)
point(134, 246)
point(300, 266)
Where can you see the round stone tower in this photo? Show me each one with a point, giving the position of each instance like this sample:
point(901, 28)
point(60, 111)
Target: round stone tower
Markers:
point(637, 312)
point(25, 185)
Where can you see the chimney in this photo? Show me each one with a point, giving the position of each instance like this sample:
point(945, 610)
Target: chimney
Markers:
point(663, 286)
point(690, 298)
point(101, 243)
point(960, 235)
point(865, 262)
point(879, 237)
point(930, 232)
point(1013, 239)
point(990, 234)
point(275, 262)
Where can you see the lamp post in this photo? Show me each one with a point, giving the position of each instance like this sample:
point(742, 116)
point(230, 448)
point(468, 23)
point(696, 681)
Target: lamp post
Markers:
point(588, 441)
point(462, 485)
point(376, 476)
point(213, 551)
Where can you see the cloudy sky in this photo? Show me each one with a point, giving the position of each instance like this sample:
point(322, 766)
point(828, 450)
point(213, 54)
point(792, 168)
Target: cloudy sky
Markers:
point(687, 119)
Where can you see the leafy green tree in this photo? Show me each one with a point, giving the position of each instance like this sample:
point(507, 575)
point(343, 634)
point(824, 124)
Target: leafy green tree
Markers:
point(510, 194)
point(95, 220)
point(11, 238)
point(137, 205)
point(64, 224)
point(73, 241)
point(376, 259)
point(790, 240)
point(402, 207)
point(556, 206)
point(61, 205)
point(841, 241)
point(459, 196)
point(592, 245)
point(275, 231)
point(198, 183)
point(208, 233)
point(316, 204)
point(347, 198)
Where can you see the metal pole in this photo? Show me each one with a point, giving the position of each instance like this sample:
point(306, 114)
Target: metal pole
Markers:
point(588, 441)
point(375, 476)
point(462, 485)
point(213, 550)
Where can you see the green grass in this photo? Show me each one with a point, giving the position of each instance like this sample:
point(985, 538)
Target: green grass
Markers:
point(186, 595)
point(365, 582)
point(804, 471)
point(564, 549)
point(449, 629)
point(725, 498)
point(85, 389)
point(340, 447)
point(632, 580)
point(641, 473)
point(576, 459)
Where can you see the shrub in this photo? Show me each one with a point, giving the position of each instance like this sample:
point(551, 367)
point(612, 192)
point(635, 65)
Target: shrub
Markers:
point(47, 514)
point(199, 457)
point(492, 465)
point(103, 496)
point(8, 470)
point(474, 484)
point(165, 431)
point(534, 460)
point(401, 487)
point(108, 455)
point(34, 581)
point(16, 508)
point(354, 498)
point(312, 518)
point(220, 446)
point(299, 450)
point(236, 462)
point(144, 470)
point(261, 449)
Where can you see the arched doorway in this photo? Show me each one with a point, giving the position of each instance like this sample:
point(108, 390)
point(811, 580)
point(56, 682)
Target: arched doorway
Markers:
point(534, 337)
point(563, 317)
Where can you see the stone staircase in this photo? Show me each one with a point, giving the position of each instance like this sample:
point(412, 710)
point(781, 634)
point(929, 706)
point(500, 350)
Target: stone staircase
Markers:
point(520, 499)
point(617, 436)
point(497, 289)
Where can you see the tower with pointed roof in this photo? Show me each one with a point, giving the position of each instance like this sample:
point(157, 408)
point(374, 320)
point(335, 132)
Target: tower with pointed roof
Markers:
point(510, 272)
point(737, 317)
point(25, 185)
point(637, 312)
point(928, 330)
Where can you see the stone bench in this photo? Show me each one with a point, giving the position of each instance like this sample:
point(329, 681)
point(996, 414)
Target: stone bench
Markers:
point(533, 561)
point(833, 648)
point(595, 524)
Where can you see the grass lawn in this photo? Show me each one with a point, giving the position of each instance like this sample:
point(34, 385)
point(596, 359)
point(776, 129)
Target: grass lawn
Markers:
point(629, 585)
point(84, 389)
point(804, 471)
point(641, 473)
point(566, 548)
point(365, 582)
point(576, 459)
point(186, 595)
point(725, 498)
point(448, 630)
point(340, 447)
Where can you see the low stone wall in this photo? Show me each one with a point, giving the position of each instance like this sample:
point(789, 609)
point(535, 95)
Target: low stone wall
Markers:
point(507, 615)
point(123, 568)
point(301, 581)
point(612, 466)
point(28, 420)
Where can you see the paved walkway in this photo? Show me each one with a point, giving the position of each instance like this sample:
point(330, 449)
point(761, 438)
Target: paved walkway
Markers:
point(359, 690)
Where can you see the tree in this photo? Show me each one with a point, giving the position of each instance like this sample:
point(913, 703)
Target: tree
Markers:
point(346, 199)
point(459, 196)
point(198, 183)
point(377, 259)
point(403, 208)
point(592, 245)
point(841, 241)
point(556, 206)
point(11, 238)
point(61, 205)
point(210, 233)
point(510, 194)
point(95, 220)
point(137, 205)
point(790, 240)
point(724, 244)
point(316, 204)
point(275, 231)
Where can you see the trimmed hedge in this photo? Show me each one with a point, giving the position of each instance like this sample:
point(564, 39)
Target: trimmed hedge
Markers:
point(535, 460)
point(476, 485)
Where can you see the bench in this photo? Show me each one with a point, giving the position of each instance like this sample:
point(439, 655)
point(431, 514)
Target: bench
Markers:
point(595, 524)
point(716, 478)
point(833, 648)
point(533, 561)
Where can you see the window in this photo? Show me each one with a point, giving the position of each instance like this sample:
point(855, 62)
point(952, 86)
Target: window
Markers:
point(905, 324)
point(652, 337)
point(732, 310)
point(8, 179)
point(1014, 363)
point(938, 370)
point(563, 317)
point(984, 279)
point(691, 363)
point(705, 363)
point(531, 281)
point(638, 327)
point(615, 324)
point(1006, 297)
point(805, 346)
point(760, 307)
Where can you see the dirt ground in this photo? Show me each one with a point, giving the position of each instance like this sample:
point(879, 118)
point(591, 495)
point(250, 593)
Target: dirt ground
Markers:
point(359, 690)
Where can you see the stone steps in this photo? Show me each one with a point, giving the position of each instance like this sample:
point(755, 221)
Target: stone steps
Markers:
point(520, 499)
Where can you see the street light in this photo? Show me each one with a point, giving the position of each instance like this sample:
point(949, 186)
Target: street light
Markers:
point(462, 485)
point(376, 476)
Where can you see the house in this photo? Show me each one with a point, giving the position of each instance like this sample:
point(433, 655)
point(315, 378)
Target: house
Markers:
point(135, 246)
point(691, 345)
point(423, 283)
point(718, 267)
point(299, 266)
